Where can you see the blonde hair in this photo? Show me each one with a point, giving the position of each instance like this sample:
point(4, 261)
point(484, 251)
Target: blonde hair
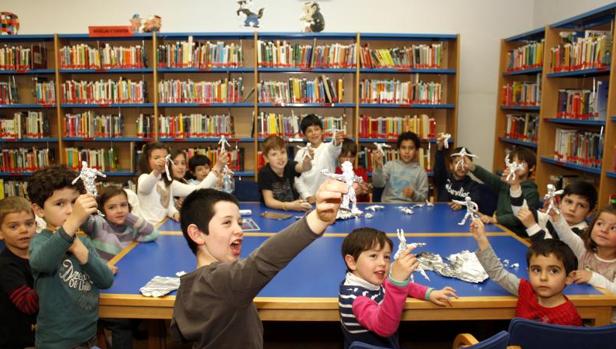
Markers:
point(14, 204)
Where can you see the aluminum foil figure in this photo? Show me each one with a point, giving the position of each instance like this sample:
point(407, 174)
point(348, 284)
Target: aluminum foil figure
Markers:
point(168, 163)
point(349, 178)
point(446, 138)
point(463, 266)
point(462, 153)
point(551, 198)
point(513, 167)
point(380, 146)
point(88, 177)
point(406, 210)
point(306, 150)
point(374, 208)
point(402, 246)
point(471, 209)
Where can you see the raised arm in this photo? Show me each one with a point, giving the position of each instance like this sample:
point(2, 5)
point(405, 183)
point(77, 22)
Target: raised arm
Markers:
point(567, 235)
point(147, 182)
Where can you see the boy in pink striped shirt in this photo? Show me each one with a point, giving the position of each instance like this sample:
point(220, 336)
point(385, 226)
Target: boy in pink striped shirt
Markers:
point(372, 296)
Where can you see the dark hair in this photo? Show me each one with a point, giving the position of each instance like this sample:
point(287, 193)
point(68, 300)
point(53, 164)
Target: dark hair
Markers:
point(408, 136)
point(310, 120)
point(43, 183)
point(198, 209)
point(584, 189)
point(107, 193)
point(198, 160)
point(273, 142)
point(524, 155)
point(363, 239)
point(348, 146)
point(559, 249)
point(586, 236)
point(144, 159)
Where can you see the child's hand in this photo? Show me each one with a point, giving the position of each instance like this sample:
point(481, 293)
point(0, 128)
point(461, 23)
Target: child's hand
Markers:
point(378, 159)
point(176, 217)
point(513, 181)
point(299, 205)
point(440, 141)
point(454, 206)
point(526, 217)
point(328, 199)
point(84, 207)
point(362, 188)
point(339, 138)
point(113, 268)
point(408, 192)
point(442, 297)
point(311, 200)
point(159, 167)
point(581, 276)
point(307, 162)
point(479, 234)
point(487, 219)
point(406, 264)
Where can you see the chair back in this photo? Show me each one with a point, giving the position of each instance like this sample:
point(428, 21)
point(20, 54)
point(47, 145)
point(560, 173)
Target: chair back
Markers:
point(530, 334)
point(362, 345)
point(468, 341)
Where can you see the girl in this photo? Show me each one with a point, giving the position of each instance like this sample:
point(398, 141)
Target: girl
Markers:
point(371, 296)
point(155, 189)
point(178, 173)
point(596, 251)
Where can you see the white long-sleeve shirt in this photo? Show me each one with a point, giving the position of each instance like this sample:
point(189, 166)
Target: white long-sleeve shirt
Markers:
point(156, 199)
point(325, 156)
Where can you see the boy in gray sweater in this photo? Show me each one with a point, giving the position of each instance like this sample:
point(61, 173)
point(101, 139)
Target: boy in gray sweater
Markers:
point(214, 305)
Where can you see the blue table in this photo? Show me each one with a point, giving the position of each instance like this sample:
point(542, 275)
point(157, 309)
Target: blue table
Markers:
point(307, 289)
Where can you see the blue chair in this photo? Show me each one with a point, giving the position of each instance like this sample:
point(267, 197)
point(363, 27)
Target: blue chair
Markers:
point(532, 334)
point(246, 190)
point(362, 345)
point(497, 341)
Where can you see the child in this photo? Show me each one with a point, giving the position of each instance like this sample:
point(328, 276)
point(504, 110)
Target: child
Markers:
point(371, 298)
point(348, 153)
point(324, 157)
point(156, 191)
point(277, 177)
point(454, 183)
point(68, 272)
point(404, 180)
point(551, 266)
point(18, 300)
point(214, 305)
point(504, 214)
point(596, 252)
point(178, 173)
point(578, 201)
point(199, 166)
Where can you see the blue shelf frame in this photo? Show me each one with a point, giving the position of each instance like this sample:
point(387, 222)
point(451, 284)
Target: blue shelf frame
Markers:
point(106, 139)
point(520, 107)
point(108, 71)
point(306, 70)
point(204, 35)
point(306, 36)
point(518, 142)
point(438, 71)
point(205, 139)
point(306, 105)
point(113, 105)
point(581, 122)
point(16, 174)
point(119, 173)
point(409, 37)
point(580, 73)
point(27, 106)
point(394, 140)
point(611, 174)
point(598, 16)
point(29, 140)
point(28, 71)
point(530, 71)
point(205, 105)
point(535, 34)
point(244, 174)
point(409, 106)
point(87, 37)
point(613, 118)
point(429, 173)
point(26, 37)
point(206, 70)
point(591, 170)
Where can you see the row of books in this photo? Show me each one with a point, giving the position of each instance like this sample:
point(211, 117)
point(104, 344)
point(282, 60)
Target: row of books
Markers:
point(145, 126)
point(104, 159)
point(195, 125)
point(283, 54)
point(23, 58)
point(44, 91)
point(522, 126)
point(592, 49)
point(301, 90)
point(203, 55)
point(88, 124)
point(416, 56)
point(236, 156)
point(103, 91)
point(366, 157)
point(392, 126)
point(522, 93)
point(221, 91)
point(287, 126)
point(83, 56)
point(27, 124)
point(578, 147)
point(526, 56)
point(8, 91)
point(400, 92)
point(26, 159)
point(10, 188)
point(583, 103)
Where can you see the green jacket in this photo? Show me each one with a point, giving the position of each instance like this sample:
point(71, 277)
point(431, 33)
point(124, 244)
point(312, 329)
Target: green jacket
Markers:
point(503, 212)
point(68, 291)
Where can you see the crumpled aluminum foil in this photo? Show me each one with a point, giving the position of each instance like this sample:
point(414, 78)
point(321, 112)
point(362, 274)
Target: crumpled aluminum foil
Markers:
point(464, 266)
point(160, 286)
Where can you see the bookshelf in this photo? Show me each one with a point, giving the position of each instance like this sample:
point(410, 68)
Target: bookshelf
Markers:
point(577, 102)
point(161, 78)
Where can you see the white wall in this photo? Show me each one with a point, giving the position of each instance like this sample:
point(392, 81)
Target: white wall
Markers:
point(481, 24)
point(550, 11)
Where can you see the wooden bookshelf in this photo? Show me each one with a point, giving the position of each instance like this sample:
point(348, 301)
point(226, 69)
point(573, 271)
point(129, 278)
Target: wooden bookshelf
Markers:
point(553, 80)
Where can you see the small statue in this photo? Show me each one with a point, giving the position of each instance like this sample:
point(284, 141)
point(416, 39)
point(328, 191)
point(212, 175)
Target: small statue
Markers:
point(551, 198)
point(168, 163)
point(88, 177)
point(252, 18)
point(380, 146)
point(513, 167)
point(307, 151)
point(9, 23)
point(228, 182)
point(403, 246)
point(471, 209)
point(312, 17)
point(152, 24)
point(223, 143)
point(136, 23)
point(348, 177)
point(406, 210)
point(446, 137)
point(462, 153)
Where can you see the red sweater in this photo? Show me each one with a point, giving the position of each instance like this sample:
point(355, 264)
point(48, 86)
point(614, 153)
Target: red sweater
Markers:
point(529, 308)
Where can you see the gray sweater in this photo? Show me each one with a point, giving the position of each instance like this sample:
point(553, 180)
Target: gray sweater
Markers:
point(214, 305)
point(395, 176)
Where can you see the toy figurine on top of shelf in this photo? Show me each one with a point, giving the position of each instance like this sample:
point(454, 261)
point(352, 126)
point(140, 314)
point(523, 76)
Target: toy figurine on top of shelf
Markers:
point(462, 153)
point(9, 23)
point(551, 198)
point(312, 18)
point(142, 25)
point(252, 18)
point(349, 178)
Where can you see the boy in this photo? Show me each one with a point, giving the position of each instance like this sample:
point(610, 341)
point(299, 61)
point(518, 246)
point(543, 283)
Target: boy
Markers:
point(578, 201)
point(404, 180)
point(348, 153)
point(199, 166)
point(504, 214)
point(68, 272)
point(551, 264)
point(214, 305)
point(18, 300)
point(277, 177)
point(454, 183)
point(324, 157)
